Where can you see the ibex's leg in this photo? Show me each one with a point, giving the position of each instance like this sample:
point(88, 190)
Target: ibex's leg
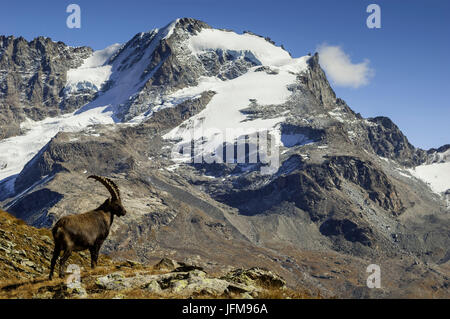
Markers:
point(56, 252)
point(63, 260)
point(94, 256)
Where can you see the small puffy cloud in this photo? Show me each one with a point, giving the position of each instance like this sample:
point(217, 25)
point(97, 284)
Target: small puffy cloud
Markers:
point(339, 67)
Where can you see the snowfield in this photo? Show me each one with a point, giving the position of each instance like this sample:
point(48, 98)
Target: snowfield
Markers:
point(264, 51)
point(436, 175)
point(16, 151)
point(93, 73)
point(222, 119)
point(291, 140)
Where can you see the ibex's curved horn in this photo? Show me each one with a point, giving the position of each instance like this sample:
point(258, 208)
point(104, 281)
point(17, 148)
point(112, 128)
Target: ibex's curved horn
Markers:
point(109, 184)
point(115, 187)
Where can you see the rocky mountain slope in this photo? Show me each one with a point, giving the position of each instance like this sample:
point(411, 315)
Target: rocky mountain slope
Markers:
point(341, 193)
point(25, 254)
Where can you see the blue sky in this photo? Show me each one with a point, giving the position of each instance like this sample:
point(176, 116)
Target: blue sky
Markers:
point(409, 54)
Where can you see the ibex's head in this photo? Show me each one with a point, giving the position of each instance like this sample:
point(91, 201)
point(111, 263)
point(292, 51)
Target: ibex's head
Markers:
point(115, 202)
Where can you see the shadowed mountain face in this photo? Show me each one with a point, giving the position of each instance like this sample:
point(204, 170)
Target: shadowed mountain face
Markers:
point(347, 191)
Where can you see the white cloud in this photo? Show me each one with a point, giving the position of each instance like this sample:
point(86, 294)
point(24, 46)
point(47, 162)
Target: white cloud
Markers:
point(340, 69)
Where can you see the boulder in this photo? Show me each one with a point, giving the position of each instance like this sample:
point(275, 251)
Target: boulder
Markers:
point(255, 277)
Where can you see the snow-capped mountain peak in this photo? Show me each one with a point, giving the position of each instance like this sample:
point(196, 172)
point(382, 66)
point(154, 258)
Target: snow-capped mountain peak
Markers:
point(162, 68)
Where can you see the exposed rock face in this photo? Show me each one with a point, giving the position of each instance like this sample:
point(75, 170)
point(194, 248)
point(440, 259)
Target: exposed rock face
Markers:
point(102, 154)
point(439, 155)
point(257, 277)
point(308, 186)
point(32, 77)
point(441, 149)
point(185, 284)
point(51, 159)
point(348, 229)
point(317, 82)
point(173, 116)
point(371, 179)
point(388, 141)
point(33, 207)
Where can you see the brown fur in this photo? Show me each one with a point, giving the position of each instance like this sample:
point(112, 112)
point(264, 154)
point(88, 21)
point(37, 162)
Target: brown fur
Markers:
point(87, 230)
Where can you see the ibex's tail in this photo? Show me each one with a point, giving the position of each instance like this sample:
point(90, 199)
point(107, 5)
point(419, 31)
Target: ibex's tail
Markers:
point(55, 228)
point(58, 232)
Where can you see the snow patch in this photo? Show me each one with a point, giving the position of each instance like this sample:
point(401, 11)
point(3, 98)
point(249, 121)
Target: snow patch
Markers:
point(18, 150)
point(93, 73)
point(223, 113)
point(173, 167)
point(403, 173)
point(291, 140)
point(265, 52)
point(170, 28)
point(337, 116)
point(436, 175)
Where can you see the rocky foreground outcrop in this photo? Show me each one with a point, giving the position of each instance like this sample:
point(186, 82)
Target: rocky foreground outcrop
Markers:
point(134, 280)
point(184, 281)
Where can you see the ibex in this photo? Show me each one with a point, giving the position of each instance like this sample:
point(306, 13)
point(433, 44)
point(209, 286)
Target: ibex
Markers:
point(87, 230)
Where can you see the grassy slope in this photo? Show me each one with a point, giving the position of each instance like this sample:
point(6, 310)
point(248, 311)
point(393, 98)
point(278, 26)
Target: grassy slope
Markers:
point(25, 251)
